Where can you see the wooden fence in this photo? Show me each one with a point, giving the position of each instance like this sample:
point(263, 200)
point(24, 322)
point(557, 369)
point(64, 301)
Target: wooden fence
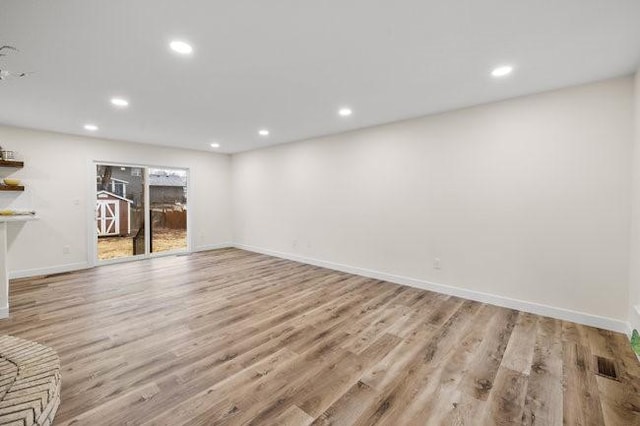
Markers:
point(172, 219)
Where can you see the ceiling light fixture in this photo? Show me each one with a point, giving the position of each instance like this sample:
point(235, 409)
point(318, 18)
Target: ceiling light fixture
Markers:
point(120, 102)
point(181, 47)
point(263, 132)
point(215, 145)
point(90, 127)
point(345, 112)
point(502, 71)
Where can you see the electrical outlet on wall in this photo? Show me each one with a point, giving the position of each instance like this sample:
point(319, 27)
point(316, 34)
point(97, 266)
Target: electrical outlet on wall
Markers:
point(294, 244)
point(437, 264)
point(66, 249)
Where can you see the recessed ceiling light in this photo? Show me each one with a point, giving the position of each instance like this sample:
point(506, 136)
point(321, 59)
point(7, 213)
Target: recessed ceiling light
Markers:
point(263, 132)
point(181, 47)
point(90, 127)
point(120, 102)
point(215, 145)
point(345, 112)
point(502, 71)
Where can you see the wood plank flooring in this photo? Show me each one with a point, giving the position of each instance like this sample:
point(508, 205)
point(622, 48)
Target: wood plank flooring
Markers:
point(233, 337)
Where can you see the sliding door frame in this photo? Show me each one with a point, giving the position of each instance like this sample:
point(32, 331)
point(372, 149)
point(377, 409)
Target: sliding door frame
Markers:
point(91, 211)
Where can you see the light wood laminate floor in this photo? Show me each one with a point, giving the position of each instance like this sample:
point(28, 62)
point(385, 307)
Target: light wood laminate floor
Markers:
point(233, 337)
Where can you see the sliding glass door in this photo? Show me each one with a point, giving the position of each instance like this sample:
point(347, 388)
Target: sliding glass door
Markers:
point(140, 211)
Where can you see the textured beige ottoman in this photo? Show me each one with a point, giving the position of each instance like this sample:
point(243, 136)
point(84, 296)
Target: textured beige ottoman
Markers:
point(29, 382)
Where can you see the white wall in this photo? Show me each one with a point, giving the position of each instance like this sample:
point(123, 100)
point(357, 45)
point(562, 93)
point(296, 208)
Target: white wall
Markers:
point(57, 176)
point(526, 199)
point(634, 270)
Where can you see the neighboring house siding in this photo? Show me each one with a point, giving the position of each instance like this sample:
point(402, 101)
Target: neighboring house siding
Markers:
point(167, 194)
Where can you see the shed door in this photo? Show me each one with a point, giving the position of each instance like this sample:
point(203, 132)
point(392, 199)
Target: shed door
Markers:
point(108, 217)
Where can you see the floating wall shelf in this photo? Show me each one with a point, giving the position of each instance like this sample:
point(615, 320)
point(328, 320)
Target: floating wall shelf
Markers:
point(16, 164)
point(17, 188)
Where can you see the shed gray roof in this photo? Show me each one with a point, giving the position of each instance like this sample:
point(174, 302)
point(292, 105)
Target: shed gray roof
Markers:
point(167, 180)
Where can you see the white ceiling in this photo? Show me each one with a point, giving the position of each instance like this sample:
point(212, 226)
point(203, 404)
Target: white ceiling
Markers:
point(288, 65)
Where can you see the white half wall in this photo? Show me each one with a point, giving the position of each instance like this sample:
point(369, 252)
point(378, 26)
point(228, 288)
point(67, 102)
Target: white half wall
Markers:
point(59, 185)
point(523, 200)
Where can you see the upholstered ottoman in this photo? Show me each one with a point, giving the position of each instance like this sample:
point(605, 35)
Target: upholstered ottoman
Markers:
point(29, 382)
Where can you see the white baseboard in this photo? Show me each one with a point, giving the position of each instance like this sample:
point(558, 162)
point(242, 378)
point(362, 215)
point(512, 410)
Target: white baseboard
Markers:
point(25, 273)
point(208, 247)
point(521, 305)
point(507, 302)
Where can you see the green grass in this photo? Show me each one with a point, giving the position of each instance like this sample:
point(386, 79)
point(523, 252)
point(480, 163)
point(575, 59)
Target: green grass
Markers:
point(635, 342)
